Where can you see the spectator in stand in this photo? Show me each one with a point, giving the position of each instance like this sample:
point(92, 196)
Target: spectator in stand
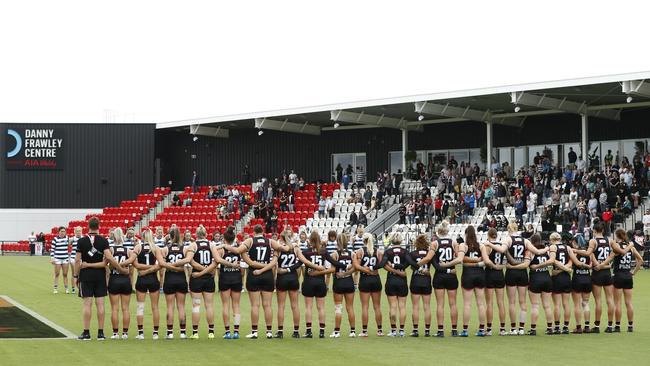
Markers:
point(373, 204)
point(32, 243)
point(291, 201)
point(362, 219)
point(402, 214)
point(367, 195)
point(572, 156)
point(176, 201)
point(581, 164)
point(246, 175)
point(187, 201)
point(195, 181)
point(339, 173)
point(293, 179)
point(353, 219)
point(319, 190)
point(608, 219)
point(361, 177)
point(284, 205)
point(329, 207)
point(646, 222)
point(346, 181)
point(321, 207)
point(211, 194)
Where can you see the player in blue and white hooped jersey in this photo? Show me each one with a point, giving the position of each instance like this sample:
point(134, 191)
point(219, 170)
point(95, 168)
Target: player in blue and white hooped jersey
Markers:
point(147, 282)
point(161, 241)
point(303, 244)
point(356, 243)
point(343, 287)
point(287, 282)
point(173, 258)
point(119, 286)
point(330, 247)
point(111, 237)
point(78, 232)
point(365, 260)
point(59, 257)
point(202, 286)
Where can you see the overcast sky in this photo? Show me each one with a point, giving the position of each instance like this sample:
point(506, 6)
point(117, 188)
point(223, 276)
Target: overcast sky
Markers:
point(157, 61)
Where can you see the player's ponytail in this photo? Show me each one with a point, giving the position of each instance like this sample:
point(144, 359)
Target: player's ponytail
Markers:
point(229, 235)
point(369, 243)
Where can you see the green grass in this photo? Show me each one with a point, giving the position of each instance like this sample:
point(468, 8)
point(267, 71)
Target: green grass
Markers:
point(28, 281)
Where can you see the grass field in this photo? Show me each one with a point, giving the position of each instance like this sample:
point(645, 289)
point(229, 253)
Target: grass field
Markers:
point(28, 281)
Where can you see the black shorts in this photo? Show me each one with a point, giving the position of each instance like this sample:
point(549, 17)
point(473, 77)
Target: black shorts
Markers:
point(581, 283)
point(494, 279)
point(314, 287)
point(447, 281)
point(202, 284)
point(119, 285)
point(624, 282)
point(540, 282)
point(230, 281)
point(93, 288)
point(147, 283)
point(369, 283)
point(396, 286)
point(472, 278)
point(174, 283)
point(343, 285)
point(601, 278)
point(287, 282)
point(263, 282)
point(562, 283)
point(516, 277)
point(420, 285)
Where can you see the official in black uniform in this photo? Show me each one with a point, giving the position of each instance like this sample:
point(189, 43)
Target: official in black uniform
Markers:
point(494, 257)
point(259, 253)
point(173, 258)
point(287, 281)
point(473, 281)
point(341, 260)
point(623, 273)
point(313, 285)
point(420, 285)
point(202, 281)
point(119, 286)
point(230, 284)
point(90, 275)
point(147, 282)
point(540, 286)
point(365, 261)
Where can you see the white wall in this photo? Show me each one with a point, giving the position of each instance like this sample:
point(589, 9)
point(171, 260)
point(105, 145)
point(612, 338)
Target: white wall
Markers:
point(17, 224)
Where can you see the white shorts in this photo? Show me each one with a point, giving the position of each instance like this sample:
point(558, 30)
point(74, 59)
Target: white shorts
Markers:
point(327, 265)
point(61, 261)
point(71, 260)
point(243, 265)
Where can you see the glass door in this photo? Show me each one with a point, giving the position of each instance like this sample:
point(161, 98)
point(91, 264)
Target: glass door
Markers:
point(348, 163)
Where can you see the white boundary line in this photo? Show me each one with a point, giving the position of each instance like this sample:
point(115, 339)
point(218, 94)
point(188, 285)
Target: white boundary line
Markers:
point(65, 332)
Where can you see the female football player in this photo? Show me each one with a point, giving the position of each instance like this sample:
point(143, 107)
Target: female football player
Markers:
point(365, 260)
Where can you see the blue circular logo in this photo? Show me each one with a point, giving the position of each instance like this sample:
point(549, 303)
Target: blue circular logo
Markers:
point(19, 143)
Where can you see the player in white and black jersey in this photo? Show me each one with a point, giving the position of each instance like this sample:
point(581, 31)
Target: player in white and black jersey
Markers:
point(59, 257)
point(258, 253)
point(330, 247)
point(357, 243)
point(119, 286)
point(395, 260)
point(202, 286)
point(581, 287)
point(495, 260)
point(78, 232)
point(540, 284)
point(343, 287)
point(313, 285)
point(147, 282)
point(287, 282)
point(365, 260)
point(173, 258)
point(230, 282)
